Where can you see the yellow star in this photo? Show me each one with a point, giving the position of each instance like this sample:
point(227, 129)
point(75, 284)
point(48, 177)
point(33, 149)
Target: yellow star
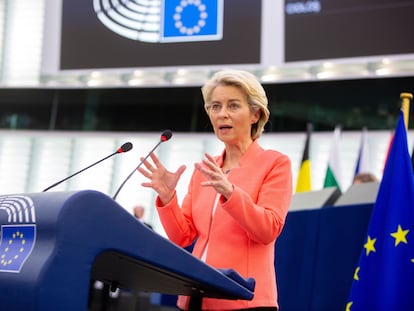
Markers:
point(369, 246)
point(356, 276)
point(348, 306)
point(400, 235)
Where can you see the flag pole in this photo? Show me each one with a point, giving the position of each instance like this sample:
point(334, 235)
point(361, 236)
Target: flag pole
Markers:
point(405, 106)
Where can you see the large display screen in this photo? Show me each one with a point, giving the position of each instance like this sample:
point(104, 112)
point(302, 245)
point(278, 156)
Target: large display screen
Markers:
point(332, 29)
point(86, 35)
point(98, 34)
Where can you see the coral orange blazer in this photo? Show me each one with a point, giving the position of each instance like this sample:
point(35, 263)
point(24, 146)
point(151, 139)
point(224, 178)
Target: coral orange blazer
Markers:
point(241, 235)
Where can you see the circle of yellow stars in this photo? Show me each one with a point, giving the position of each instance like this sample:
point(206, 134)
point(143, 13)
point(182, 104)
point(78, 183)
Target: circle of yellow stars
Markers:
point(4, 260)
point(400, 236)
point(201, 21)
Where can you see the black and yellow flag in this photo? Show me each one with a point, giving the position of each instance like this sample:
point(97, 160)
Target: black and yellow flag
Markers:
point(304, 181)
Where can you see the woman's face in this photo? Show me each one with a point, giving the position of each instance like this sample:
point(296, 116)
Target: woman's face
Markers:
point(230, 114)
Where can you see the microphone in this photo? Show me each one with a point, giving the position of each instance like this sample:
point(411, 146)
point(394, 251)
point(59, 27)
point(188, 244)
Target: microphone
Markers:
point(124, 148)
point(166, 135)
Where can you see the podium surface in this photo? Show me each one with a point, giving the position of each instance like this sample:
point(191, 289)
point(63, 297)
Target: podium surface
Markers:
point(54, 243)
point(314, 199)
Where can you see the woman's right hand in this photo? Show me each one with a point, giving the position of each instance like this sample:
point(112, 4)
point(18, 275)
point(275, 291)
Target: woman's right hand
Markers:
point(161, 180)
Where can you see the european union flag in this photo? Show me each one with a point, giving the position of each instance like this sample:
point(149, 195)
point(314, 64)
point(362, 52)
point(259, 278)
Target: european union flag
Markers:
point(384, 278)
point(191, 20)
point(16, 244)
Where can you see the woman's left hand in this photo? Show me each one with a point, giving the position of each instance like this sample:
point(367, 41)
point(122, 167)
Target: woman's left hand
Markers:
point(216, 178)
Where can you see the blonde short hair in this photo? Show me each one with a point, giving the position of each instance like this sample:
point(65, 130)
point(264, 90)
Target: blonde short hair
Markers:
point(250, 85)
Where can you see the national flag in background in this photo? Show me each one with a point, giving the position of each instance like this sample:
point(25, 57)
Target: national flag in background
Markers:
point(384, 278)
point(389, 148)
point(333, 172)
point(304, 181)
point(412, 157)
point(362, 165)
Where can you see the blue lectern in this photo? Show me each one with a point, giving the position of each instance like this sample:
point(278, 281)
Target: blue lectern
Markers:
point(53, 244)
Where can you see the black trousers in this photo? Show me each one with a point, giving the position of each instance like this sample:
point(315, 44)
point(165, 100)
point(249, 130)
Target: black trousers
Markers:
point(249, 309)
point(195, 305)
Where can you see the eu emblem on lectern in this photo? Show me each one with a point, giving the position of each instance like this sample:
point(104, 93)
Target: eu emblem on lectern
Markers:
point(18, 231)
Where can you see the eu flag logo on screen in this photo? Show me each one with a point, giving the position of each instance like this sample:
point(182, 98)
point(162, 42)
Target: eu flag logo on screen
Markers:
point(191, 20)
point(16, 244)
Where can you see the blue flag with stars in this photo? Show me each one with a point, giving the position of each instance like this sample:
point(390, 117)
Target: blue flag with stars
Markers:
point(191, 20)
point(17, 242)
point(384, 278)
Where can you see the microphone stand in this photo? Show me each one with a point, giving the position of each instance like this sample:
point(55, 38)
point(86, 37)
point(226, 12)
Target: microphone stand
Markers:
point(165, 135)
point(132, 173)
point(124, 148)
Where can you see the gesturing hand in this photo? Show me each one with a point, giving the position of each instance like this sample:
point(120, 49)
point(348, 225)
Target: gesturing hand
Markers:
point(215, 176)
point(161, 180)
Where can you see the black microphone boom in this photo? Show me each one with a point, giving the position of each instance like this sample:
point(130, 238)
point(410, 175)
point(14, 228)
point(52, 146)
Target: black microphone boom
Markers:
point(166, 135)
point(124, 148)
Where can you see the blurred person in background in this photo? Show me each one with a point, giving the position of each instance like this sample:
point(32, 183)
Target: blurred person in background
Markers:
point(139, 211)
point(364, 177)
